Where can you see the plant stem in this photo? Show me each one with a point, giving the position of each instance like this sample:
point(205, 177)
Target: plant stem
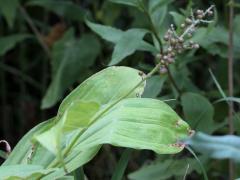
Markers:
point(173, 81)
point(196, 22)
point(155, 32)
point(20, 74)
point(230, 81)
point(153, 28)
point(35, 31)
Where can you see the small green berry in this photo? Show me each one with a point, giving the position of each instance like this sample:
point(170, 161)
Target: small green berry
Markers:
point(188, 21)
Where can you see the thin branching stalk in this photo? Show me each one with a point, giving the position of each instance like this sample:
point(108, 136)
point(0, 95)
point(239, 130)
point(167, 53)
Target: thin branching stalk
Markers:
point(153, 28)
point(196, 22)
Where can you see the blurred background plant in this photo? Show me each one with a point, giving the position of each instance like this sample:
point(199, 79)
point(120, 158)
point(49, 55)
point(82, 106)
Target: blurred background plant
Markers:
point(47, 47)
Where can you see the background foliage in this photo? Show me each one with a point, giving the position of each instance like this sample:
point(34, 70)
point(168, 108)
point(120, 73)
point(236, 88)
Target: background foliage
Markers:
point(48, 47)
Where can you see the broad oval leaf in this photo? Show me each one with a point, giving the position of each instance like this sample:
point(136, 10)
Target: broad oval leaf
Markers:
point(138, 123)
point(14, 172)
point(90, 99)
point(106, 86)
point(126, 42)
point(135, 123)
point(108, 33)
point(131, 41)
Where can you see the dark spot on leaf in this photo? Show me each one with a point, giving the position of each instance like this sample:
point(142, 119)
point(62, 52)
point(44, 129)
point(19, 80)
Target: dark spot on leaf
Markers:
point(140, 73)
point(178, 145)
point(191, 132)
point(177, 124)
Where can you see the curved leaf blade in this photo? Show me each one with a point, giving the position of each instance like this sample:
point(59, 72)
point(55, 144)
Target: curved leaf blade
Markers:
point(22, 171)
point(138, 123)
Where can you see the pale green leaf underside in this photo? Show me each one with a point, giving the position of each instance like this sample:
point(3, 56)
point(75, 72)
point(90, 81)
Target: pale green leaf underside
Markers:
point(18, 172)
point(138, 123)
point(106, 86)
point(90, 99)
point(105, 109)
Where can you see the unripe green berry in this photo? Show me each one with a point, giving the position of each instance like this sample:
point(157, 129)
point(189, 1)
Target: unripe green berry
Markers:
point(166, 38)
point(181, 40)
point(199, 12)
point(188, 21)
point(183, 25)
point(210, 13)
point(158, 56)
point(196, 46)
point(169, 49)
point(199, 16)
point(189, 35)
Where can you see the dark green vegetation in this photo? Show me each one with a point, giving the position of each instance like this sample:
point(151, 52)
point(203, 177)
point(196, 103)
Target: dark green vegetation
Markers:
point(132, 120)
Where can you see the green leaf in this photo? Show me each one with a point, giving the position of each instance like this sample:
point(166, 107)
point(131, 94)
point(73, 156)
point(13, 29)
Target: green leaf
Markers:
point(154, 86)
point(76, 160)
point(66, 178)
point(122, 165)
point(23, 149)
point(140, 124)
point(126, 42)
point(3, 154)
point(106, 87)
point(14, 172)
point(108, 33)
point(64, 8)
point(198, 111)
point(162, 170)
point(8, 42)
point(70, 57)
point(178, 18)
point(120, 120)
point(79, 174)
point(135, 123)
point(9, 9)
point(158, 12)
point(134, 3)
point(90, 98)
point(218, 147)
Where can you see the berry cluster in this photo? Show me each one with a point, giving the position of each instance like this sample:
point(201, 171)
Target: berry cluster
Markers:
point(176, 44)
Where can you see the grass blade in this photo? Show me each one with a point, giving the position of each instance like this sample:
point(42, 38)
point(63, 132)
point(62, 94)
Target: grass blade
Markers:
point(122, 165)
